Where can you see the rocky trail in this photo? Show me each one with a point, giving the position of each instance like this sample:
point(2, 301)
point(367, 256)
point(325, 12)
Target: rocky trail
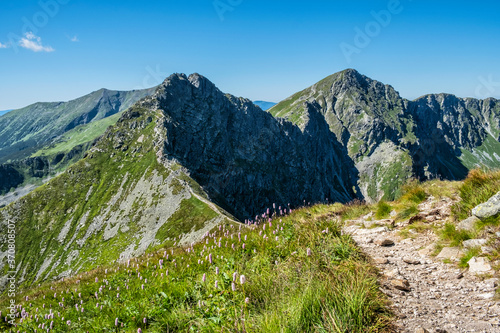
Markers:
point(429, 293)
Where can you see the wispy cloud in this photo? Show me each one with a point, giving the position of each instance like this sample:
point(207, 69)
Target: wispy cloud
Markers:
point(4, 46)
point(34, 43)
point(74, 39)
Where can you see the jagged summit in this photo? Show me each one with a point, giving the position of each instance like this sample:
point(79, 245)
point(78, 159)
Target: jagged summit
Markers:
point(391, 138)
point(189, 157)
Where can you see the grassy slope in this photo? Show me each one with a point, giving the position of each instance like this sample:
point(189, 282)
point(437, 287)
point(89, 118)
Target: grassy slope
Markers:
point(332, 290)
point(77, 136)
point(285, 290)
point(99, 193)
point(486, 156)
point(25, 130)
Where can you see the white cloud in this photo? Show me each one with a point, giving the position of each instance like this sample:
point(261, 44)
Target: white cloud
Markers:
point(34, 43)
point(74, 39)
point(4, 46)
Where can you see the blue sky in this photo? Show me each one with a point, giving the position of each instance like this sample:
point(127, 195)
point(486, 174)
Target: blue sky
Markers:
point(54, 50)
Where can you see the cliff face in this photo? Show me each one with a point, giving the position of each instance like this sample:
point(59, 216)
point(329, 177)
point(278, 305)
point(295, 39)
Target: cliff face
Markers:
point(391, 139)
point(454, 135)
point(245, 158)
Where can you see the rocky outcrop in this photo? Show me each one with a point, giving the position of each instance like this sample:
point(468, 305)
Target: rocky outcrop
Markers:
point(245, 158)
point(435, 136)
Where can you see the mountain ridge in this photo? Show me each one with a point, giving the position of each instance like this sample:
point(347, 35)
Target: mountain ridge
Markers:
point(189, 157)
point(25, 130)
point(365, 113)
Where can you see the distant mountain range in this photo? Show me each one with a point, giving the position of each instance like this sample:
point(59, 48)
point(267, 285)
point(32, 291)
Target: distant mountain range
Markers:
point(186, 158)
point(4, 112)
point(24, 131)
point(264, 105)
point(43, 139)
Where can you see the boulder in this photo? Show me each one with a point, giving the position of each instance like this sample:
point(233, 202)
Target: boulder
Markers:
point(489, 208)
point(479, 265)
point(468, 224)
point(472, 243)
point(451, 253)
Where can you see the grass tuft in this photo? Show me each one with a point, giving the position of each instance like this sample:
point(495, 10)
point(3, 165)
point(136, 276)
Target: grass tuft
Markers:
point(454, 236)
point(383, 210)
point(478, 188)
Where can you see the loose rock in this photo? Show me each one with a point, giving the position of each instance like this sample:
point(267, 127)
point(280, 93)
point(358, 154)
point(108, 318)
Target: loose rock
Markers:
point(452, 253)
point(411, 261)
point(479, 265)
point(401, 284)
point(471, 243)
point(384, 242)
point(468, 224)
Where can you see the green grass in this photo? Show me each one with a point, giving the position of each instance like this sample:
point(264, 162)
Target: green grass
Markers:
point(383, 210)
point(334, 289)
point(478, 188)
point(79, 135)
point(415, 228)
point(407, 213)
point(453, 236)
point(413, 192)
point(464, 261)
point(353, 210)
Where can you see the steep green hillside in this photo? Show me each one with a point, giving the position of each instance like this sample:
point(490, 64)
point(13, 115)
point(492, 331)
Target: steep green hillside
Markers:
point(297, 273)
point(24, 131)
point(117, 203)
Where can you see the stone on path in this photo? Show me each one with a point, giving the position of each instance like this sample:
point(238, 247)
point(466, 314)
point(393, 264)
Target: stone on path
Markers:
point(468, 224)
point(384, 242)
point(380, 261)
point(411, 261)
point(401, 284)
point(472, 243)
point(421, 330)
point(451, 253)
point(479, 265)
